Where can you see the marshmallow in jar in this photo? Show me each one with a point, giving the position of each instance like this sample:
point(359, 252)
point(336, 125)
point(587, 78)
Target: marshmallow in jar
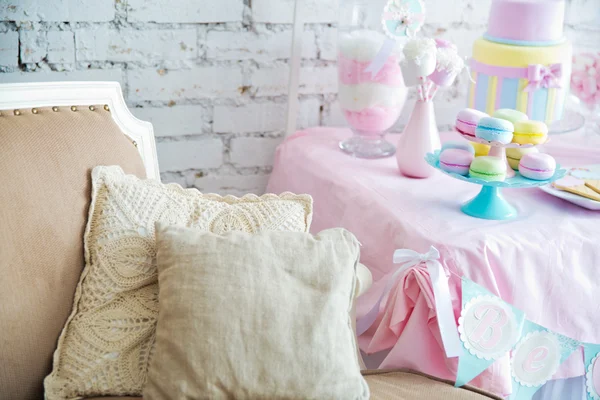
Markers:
point(371, 102)
point(419, 60)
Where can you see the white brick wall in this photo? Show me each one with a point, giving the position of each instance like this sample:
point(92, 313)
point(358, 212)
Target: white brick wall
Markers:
point(185, 11)
point(9, 49)
point(147, 46)
point(176, 85)
point(57, 10)
point(204, 153)
point(61, 47)
point(227, 45)
point(212, 75)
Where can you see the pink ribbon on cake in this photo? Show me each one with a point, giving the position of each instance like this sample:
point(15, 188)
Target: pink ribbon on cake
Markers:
point(540, 76)
point(441, 292)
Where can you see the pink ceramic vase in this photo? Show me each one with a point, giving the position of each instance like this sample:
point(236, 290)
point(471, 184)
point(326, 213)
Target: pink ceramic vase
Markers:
point(420, 136)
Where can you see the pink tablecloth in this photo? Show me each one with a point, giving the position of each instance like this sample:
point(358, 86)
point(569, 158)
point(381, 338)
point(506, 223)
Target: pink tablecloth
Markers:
point(546, 262)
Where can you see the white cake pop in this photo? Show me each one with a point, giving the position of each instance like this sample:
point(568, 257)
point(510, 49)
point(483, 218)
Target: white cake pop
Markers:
point(419, 60)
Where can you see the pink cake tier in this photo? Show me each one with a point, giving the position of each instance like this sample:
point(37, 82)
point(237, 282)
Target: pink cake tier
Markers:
point(526, 22)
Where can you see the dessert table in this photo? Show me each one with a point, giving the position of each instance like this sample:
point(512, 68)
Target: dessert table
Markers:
point(543, 262)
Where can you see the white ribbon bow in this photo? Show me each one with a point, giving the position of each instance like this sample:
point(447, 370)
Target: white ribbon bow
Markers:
point(443, 303)
point(410, 258)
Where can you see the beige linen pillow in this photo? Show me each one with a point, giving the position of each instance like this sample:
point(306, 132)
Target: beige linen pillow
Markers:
point(263, 316)
point(108, 339)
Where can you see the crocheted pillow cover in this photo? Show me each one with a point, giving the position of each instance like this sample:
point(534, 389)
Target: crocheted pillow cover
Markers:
point(106, 344)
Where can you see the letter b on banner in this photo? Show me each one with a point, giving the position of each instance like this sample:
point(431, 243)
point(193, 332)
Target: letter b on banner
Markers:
point(489, 328)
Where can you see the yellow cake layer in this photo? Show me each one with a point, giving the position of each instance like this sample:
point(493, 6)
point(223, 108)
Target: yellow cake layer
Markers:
point(504, 55)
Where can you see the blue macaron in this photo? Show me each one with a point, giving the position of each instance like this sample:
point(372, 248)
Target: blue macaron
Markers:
point(495, 130)
point(461, 145)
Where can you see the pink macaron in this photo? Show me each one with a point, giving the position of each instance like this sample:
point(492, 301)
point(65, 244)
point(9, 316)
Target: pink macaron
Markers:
point(456, 160)
point(537, 166)
point(467, 120)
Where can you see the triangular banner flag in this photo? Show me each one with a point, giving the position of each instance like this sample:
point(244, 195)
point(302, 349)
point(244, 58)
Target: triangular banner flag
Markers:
point(488, 328)
point(536, 358)
point(591, 353)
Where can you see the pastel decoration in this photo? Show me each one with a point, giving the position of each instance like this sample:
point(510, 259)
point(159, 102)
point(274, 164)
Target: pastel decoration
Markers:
point(443, 302)
point(514, 155)
point(532, 79)
point(488, 328)
point(591, 356)
point(371, 103)
point(530, 132)
point(456, 160)
point(403, 18)
point(400, 18)
point(372, 120)
point(467, 120)
point(488, 168)
point(511, 115)
point(458, 144)
point(585, 80)
point(352, 72)
point(419, 60)
point(536, 358)
point(526, 23)
point(494, 130)
point(576, 186)
point(448, 65)
point(590, 172)
point(537, 166)
point(443, 43)
point(481, 149)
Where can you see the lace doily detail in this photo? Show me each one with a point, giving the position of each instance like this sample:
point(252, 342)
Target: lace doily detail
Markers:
point(551, 362)
point(466, 324)
point(107, 341)
point(589, 378)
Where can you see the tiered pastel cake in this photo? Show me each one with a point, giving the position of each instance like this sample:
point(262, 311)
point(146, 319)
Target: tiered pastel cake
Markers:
point(523, 62)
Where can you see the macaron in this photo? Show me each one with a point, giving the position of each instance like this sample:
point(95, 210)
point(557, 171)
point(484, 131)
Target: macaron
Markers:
point(514, 155)
point(458, 144)
point(456, 160)
point(534, 132)
point(488, 168)
point(511, 115)
point(494, 130)
point(537, 166)
point(467, 120)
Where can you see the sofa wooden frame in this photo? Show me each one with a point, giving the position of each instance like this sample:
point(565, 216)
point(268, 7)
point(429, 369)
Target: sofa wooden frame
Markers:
point(27, 96)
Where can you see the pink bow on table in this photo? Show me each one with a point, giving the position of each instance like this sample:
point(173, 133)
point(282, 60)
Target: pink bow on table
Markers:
point(540, 76)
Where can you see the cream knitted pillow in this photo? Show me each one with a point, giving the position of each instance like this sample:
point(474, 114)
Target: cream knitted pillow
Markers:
point(264, 316)
point(106, 344)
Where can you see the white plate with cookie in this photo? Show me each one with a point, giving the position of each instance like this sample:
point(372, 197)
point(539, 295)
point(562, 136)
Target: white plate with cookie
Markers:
point(573, 187)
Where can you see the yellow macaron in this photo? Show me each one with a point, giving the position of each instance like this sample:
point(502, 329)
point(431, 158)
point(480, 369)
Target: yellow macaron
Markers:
point(481, 149)
point(514, 155)
point(530, 132)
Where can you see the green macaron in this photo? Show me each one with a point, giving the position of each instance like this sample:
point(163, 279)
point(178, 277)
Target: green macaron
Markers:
point(488, 168)
point(508, 114)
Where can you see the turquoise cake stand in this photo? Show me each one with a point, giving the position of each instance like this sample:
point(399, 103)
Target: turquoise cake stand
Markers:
point(490, 203)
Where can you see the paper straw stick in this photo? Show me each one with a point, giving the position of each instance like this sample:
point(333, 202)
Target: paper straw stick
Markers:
point(422, 89)
point(433, 92)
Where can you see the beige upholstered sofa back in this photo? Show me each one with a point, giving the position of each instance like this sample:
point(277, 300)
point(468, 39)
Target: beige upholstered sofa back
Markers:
point(46, 155)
